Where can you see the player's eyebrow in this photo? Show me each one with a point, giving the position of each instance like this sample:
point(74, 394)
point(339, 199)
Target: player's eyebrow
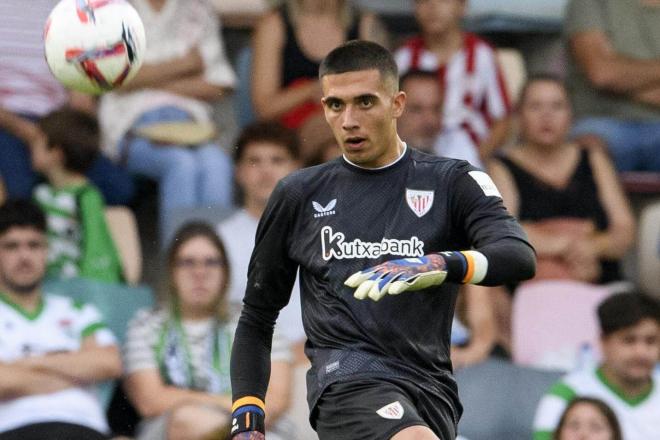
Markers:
point(332, 100)
point(364, 96)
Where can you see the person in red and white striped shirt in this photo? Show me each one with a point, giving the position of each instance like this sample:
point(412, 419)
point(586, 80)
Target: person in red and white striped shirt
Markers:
point(476, 103)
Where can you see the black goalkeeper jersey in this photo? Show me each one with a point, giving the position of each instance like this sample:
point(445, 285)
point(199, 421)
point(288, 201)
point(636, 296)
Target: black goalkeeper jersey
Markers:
point(335, 219)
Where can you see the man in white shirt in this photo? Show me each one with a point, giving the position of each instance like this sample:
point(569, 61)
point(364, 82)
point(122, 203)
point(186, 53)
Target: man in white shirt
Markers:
point(52, 349)
point(625, 380)
point(265, 153)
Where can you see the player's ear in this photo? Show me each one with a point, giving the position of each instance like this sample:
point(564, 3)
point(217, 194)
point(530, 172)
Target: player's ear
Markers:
point(398, 103)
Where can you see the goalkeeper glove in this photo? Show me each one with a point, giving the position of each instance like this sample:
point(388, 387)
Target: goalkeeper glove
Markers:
point(248, 419)
point(410, 274)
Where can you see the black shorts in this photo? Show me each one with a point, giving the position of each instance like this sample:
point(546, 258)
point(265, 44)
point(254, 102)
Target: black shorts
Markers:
point(376, 409)
point(52, 431)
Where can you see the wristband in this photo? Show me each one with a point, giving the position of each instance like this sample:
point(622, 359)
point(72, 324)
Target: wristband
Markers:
point(466, 267)
point(248, 415)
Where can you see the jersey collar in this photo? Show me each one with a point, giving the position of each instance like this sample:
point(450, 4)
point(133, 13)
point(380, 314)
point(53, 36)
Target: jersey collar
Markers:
point(30, 315)
point(630, 400)
point(389, 165)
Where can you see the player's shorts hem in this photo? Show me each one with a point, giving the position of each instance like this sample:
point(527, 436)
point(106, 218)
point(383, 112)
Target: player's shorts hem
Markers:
point(392, 432)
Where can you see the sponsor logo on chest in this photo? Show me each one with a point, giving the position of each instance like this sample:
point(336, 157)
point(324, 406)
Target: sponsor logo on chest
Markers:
point(334, 245)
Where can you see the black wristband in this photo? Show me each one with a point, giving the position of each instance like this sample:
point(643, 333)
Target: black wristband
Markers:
point(456, 266)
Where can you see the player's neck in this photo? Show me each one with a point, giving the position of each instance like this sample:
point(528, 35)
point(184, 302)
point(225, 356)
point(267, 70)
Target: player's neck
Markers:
point(446, 44)
point(27, 301)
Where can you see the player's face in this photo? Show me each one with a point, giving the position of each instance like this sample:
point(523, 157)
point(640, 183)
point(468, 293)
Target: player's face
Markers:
point(585, 422)
point(421, 121)
point(362, 108)
point(198, 275)
point(263, 164)
point(631, 353)
point(545, 114)
point(23, 257)
point(439, 16)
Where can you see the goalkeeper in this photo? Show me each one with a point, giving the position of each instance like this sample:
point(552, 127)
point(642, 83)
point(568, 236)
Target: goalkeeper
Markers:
point(383, 237)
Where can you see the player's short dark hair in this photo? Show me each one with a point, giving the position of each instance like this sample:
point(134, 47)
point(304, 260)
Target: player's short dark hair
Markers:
point(419, 74)
point(541, 77)
point(625, 310)
point(23, 214)
point(76, 133)
point(267, 131)
point(357, 55)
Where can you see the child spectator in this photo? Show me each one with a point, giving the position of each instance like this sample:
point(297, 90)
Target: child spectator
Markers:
point(79, 240)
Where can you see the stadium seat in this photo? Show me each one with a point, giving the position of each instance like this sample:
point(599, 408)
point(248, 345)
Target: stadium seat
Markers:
point(116, 302)
point(513, 69)
point(500, 398)
point(648, 250)
point(554, 322)
point(124, 231)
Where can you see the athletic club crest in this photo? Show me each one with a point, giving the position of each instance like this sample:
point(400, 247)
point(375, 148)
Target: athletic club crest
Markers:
point(419, 201)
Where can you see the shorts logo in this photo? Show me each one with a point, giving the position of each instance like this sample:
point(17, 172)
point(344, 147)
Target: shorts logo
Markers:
point(393, 411)
point(333, 245)
point(322, 211)
point(419, 201)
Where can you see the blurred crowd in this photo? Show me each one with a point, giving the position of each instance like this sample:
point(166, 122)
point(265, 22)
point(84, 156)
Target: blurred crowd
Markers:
point(560, 147)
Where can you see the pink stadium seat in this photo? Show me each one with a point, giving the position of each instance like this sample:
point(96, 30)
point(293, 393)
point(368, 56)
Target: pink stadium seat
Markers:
point(554, 323)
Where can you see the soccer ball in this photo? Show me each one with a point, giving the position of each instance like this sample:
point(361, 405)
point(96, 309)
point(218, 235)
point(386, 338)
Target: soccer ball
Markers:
point(94, 46)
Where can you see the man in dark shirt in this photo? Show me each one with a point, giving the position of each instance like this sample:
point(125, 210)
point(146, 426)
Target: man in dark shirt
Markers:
point(380, 357)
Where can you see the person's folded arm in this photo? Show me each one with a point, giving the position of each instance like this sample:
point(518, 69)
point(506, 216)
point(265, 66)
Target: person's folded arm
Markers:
point(152, 397)
point(92, 363)
point(607, 69)
point(18, 380)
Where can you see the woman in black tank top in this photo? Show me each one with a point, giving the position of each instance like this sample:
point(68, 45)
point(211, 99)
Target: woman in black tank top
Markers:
point(288, 46)
point(567, 197)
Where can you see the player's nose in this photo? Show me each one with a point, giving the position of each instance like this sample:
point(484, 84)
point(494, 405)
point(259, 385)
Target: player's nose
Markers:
point(349, 120)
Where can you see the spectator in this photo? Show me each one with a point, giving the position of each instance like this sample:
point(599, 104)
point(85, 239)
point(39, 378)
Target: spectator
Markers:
point(476, 104)
point(52, 350)
point(474, 330)
point(288, 46)
point(185, 69)
point(265, 153)
point(30, 91)
point(567, 197)
point(421, 121)
point(79, 241)
point(586, 418)
point(625, 380)
point(177, 356)
point(614, 77)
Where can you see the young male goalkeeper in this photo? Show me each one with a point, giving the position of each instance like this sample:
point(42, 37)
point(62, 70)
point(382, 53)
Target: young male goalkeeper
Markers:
point(382, 236)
